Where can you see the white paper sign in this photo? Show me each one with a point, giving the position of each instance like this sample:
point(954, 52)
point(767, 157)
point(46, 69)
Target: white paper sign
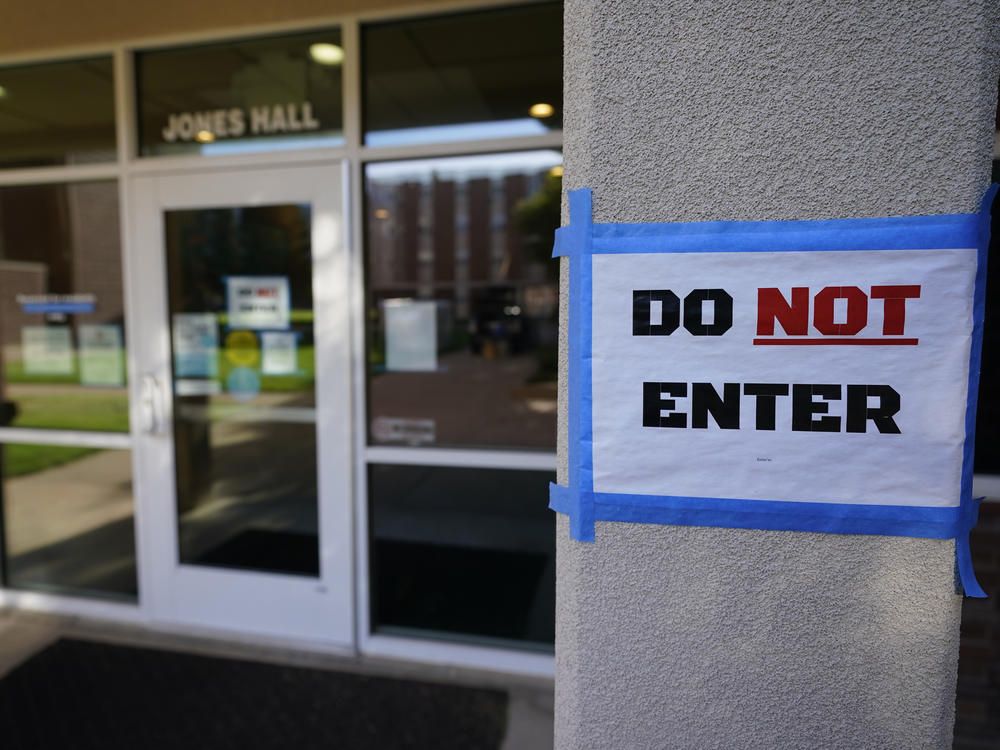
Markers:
point(279, 353)
point(797, 399)
point(411, 335)
point(48, 350)
point(258, 302)
point(102, 360)
point(196, 345)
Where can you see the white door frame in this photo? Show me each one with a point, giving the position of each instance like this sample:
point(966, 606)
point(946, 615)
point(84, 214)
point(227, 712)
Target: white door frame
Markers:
point(320, 610)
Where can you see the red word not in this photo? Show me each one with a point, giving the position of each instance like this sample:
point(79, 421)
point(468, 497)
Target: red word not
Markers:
point(793, 316)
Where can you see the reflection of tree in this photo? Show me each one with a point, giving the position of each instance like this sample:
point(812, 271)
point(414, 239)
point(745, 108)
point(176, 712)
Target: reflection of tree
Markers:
point(537, 218)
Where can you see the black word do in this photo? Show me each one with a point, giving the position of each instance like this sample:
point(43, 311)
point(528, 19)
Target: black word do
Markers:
point(670, 312)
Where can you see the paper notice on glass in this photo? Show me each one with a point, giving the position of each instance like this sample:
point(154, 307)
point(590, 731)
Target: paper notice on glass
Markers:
point(48, 350)
point(196, 345)
point(279, 353)
point(102, 360)
point(410, 335)
point(258, 302)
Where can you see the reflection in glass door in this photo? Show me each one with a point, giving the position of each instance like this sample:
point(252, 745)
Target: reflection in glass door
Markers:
point(244, 389)
point(66, 506)
point(239, 284)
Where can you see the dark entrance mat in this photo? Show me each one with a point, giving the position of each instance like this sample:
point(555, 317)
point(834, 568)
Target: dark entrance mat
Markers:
point(81, 695)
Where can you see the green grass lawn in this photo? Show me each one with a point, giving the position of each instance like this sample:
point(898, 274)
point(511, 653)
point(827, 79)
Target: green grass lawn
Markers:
point(98, 410)
point(20, 459)
point(300, 381)
point(86, 409)
point(13, 372)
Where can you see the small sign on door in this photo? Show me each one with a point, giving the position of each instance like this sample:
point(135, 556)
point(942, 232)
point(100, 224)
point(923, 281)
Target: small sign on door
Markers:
point(258, 302)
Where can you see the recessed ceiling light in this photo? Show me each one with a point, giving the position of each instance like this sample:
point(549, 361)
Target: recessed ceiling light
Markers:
point(326, 54)
point(204, 136)
point(3, 92)
point(541, 110)
point(381, 213)
point(556, 171)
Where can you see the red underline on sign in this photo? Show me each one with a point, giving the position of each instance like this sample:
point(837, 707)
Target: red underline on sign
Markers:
point(835, 342)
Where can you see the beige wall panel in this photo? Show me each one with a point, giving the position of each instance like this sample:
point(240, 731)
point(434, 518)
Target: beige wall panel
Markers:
point(39, 27)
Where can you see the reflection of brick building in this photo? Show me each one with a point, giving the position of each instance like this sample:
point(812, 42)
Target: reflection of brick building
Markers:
point(450, 238)
point(54, 240)
point(18, 277)
point(450, 233)
point(96, 257)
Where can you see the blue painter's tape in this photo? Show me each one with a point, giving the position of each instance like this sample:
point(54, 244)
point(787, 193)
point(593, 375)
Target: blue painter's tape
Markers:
point(582, 239)
point(560, 499)
point(581, 480)
point(892, 233)
point(562, 243)
point(970, 506)
point(963, 550)
point(830, 518)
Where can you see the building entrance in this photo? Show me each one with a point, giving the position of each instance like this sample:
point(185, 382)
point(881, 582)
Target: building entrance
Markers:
point(244, 413)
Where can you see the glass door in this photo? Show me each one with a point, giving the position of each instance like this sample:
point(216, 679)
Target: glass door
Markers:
point(244, 402)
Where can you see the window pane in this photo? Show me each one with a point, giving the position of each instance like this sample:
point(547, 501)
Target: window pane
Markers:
point(62, 334)
point(462, 300)
point(247, 95)
point(463, 552)
point(241, 320)
point(478, 75)
point(988, 418)
point(68, 520)
point(57, 113)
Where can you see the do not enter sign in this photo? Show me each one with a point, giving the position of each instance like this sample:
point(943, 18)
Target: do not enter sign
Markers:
point(800, 375)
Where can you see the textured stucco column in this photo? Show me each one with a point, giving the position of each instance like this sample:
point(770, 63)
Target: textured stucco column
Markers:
point(682, 110)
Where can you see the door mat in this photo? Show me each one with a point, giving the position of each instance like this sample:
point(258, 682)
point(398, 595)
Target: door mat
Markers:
point(78, 694)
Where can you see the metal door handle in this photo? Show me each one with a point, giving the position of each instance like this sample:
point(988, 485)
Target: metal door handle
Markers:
point(151, 407)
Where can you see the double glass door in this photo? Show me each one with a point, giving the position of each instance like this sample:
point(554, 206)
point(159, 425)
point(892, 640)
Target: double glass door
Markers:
point(242, 400)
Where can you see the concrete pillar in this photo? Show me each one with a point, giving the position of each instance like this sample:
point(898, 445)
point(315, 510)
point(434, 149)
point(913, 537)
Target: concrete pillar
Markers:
point(685, 110)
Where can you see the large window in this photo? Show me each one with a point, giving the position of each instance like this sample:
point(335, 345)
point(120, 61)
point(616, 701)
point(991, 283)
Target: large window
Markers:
point(65, 481)
point(254, 94)
point(462, 311)
point(462, 552)
point(244, 397)
point(62, 313)
point(462, 298)
point(988, 418)
point(462, 324)
point(57, 113)
point(68, 520)
point(494, 74)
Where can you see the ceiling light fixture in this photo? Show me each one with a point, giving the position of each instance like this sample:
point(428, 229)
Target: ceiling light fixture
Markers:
point(326, 54)
point(542, 110)
point(204, 136)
